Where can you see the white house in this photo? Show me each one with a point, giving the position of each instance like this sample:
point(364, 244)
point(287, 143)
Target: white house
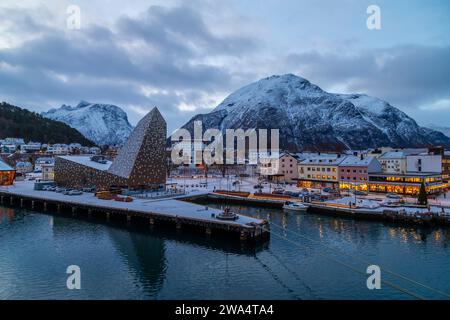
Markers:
point(393, 162)
point(58, 148)
point(30, 147)
point(424, 163)
point(24, 167)
point(42, 161)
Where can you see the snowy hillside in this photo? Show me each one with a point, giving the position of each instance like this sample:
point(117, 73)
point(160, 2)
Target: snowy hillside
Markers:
point(105, 124)
point(310, 118)
point(444, 130)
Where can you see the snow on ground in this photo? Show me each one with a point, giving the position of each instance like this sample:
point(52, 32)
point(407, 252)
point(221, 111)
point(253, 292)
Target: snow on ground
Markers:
point(86, 161)
point(365, 203)
point(374, 202)
point(441, 200)
point(219, 183)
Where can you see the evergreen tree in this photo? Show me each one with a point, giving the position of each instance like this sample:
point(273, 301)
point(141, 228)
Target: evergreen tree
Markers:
point(31, 126)
point(422, 199)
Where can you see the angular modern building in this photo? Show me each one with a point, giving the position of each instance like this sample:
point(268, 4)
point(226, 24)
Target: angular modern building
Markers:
point(140, 163)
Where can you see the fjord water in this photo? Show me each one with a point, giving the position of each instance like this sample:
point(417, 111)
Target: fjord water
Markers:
point(308, 257)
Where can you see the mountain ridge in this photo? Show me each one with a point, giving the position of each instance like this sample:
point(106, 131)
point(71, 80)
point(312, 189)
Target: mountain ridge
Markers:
point(310, 118)
point(105, 124)
point(444, 130)
point(31, 126)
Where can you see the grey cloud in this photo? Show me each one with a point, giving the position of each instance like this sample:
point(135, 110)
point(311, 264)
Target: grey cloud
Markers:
point(408, 76)
point(99, 52)
point(181, 30)
point(171, 49)
point(101, 64)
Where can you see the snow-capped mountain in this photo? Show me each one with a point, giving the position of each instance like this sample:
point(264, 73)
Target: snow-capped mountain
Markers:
point(105, 124)
point(444, 130)
point(310, 118)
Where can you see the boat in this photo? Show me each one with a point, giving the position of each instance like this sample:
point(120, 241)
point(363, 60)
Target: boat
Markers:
point(295, 206)
point(226, 214)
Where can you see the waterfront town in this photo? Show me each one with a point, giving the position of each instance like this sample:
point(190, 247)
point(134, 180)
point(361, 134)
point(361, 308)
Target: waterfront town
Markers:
point(216, 157)
point(381, 170)
point(138, 180)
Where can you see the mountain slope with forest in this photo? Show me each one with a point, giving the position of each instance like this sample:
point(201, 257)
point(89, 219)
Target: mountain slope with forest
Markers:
point(31, 126)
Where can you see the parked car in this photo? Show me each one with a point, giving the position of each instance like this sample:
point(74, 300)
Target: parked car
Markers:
point(66, 191)
point(393, 196)
point(59, 190)
point(292, 193)
point(278, 191)
point(74, 193)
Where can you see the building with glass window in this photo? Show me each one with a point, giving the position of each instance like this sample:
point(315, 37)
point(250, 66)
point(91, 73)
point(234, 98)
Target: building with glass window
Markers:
point(446, 167)
point(407, 183)
point(354, 172)
point(7, 174)
point(319, 171)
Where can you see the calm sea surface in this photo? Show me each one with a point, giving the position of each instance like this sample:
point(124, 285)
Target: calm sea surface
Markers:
point(308, 257)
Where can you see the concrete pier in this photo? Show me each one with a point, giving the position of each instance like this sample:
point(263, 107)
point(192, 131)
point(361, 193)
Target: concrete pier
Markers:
point(177, 212)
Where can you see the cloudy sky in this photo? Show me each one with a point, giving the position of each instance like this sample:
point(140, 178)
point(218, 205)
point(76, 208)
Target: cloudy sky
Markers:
point(186, 56)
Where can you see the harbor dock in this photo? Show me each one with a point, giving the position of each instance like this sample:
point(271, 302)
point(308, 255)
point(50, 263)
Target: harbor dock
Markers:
point(402, 214)
point(179, 213)
point(249, 200)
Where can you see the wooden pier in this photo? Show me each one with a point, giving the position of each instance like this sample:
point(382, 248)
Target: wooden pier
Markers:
point(255, 201)
point(182, 215)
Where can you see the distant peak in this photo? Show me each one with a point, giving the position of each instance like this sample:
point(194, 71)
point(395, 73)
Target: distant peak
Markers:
point(287, 76)
point(82, 104)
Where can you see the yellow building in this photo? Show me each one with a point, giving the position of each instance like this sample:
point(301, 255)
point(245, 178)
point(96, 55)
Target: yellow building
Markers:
point(320, 171)
point(446, 167)
point(7, 174)
point(48, 172)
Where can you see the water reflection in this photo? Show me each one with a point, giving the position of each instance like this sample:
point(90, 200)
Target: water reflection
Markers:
point(346, 230)
point(145, 257)
point(6, 214)
point(143, 249)
point(132, 262)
